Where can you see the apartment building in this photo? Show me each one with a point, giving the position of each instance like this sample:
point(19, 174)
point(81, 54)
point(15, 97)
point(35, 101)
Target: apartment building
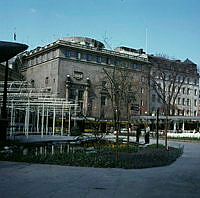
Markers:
point(182, 75)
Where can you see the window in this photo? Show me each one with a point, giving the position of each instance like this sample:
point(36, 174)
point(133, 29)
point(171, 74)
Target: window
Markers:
point(78, 55)
point(34, 61)
point(134, 66)
point(49, 55)
point(80, 94)
point(188, 91)
point(188, 102)
point(88, 57)
point(108, 61)
point(117, 62)
point(195, 113)
point(153, 98)
point(98, 59)
point(169, 88)
point(78, 75)
point(141, 103)
point(37, 59)
point(195, 102)
point(183, 90)
point(195, 92)
point(72, 94)
point(183, 101)
point(142, 90)
point(29, 63)
point(179, 101)
point(46, 80)
point(188, 80)
point(103, 100)
point(68, 53)
point(126, 64)
point(54, 53)
point(44, 57)
point(32, 83)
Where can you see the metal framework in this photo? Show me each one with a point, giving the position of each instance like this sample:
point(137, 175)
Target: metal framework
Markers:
point(31, 109)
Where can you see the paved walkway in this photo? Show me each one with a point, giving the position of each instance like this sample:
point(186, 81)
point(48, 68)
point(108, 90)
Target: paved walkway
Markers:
point(181, 179)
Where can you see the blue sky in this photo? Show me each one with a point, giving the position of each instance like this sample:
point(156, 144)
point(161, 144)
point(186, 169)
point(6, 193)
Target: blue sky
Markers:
point(173, 26)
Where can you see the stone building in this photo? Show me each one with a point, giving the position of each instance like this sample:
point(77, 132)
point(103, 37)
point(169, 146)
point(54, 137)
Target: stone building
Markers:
point(12, 74)
point(186, 78)
point(72, 68)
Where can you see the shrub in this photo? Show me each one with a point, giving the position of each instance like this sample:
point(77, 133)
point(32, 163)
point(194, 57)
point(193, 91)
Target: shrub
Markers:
point(75, 131)
point(111, 156)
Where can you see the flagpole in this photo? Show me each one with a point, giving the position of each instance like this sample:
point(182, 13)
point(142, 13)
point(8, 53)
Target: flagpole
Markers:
point(146, 41)
point(14, 35)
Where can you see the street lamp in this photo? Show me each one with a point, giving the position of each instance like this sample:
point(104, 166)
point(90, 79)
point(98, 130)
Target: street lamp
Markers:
point(157, 126)
point(7, 51)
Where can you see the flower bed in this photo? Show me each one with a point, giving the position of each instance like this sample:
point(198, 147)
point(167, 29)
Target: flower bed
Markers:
point(109, 156)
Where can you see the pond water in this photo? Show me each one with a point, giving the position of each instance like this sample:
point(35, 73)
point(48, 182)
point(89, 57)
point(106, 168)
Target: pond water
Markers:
point(53, 148)
point(62, 147)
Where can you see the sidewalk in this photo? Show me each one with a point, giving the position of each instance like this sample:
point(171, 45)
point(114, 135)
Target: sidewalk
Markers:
point(180, 179)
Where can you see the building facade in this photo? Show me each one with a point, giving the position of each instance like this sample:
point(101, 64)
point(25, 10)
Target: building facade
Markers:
point(12, 74)
point(182, 79)
point(73, 68)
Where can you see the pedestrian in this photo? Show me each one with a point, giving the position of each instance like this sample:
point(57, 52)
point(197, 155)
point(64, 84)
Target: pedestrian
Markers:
point(138, 133)
point(146, 136)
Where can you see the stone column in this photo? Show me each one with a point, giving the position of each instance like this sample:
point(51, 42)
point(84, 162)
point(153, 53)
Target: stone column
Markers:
point(67, 92)
point(85, 101)
point(75, 109)
point(174, 127)
point(183, 126)
point(86, 97)
point(68, 81)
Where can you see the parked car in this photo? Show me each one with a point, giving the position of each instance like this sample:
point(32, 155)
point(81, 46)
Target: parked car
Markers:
point(123, 130)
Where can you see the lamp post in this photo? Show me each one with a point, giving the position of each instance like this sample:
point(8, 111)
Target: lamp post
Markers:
point(157, 126)
point(7, 51)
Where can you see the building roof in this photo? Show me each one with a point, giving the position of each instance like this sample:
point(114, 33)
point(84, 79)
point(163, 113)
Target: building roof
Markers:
point(84, 41)
point(86, 44)
point(188, 61)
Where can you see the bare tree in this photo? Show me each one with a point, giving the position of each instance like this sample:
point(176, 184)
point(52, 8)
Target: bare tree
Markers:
point(123, 88)
point(167, 81)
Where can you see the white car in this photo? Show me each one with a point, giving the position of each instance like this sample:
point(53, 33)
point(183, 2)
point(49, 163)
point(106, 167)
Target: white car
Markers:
point(124, 130)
